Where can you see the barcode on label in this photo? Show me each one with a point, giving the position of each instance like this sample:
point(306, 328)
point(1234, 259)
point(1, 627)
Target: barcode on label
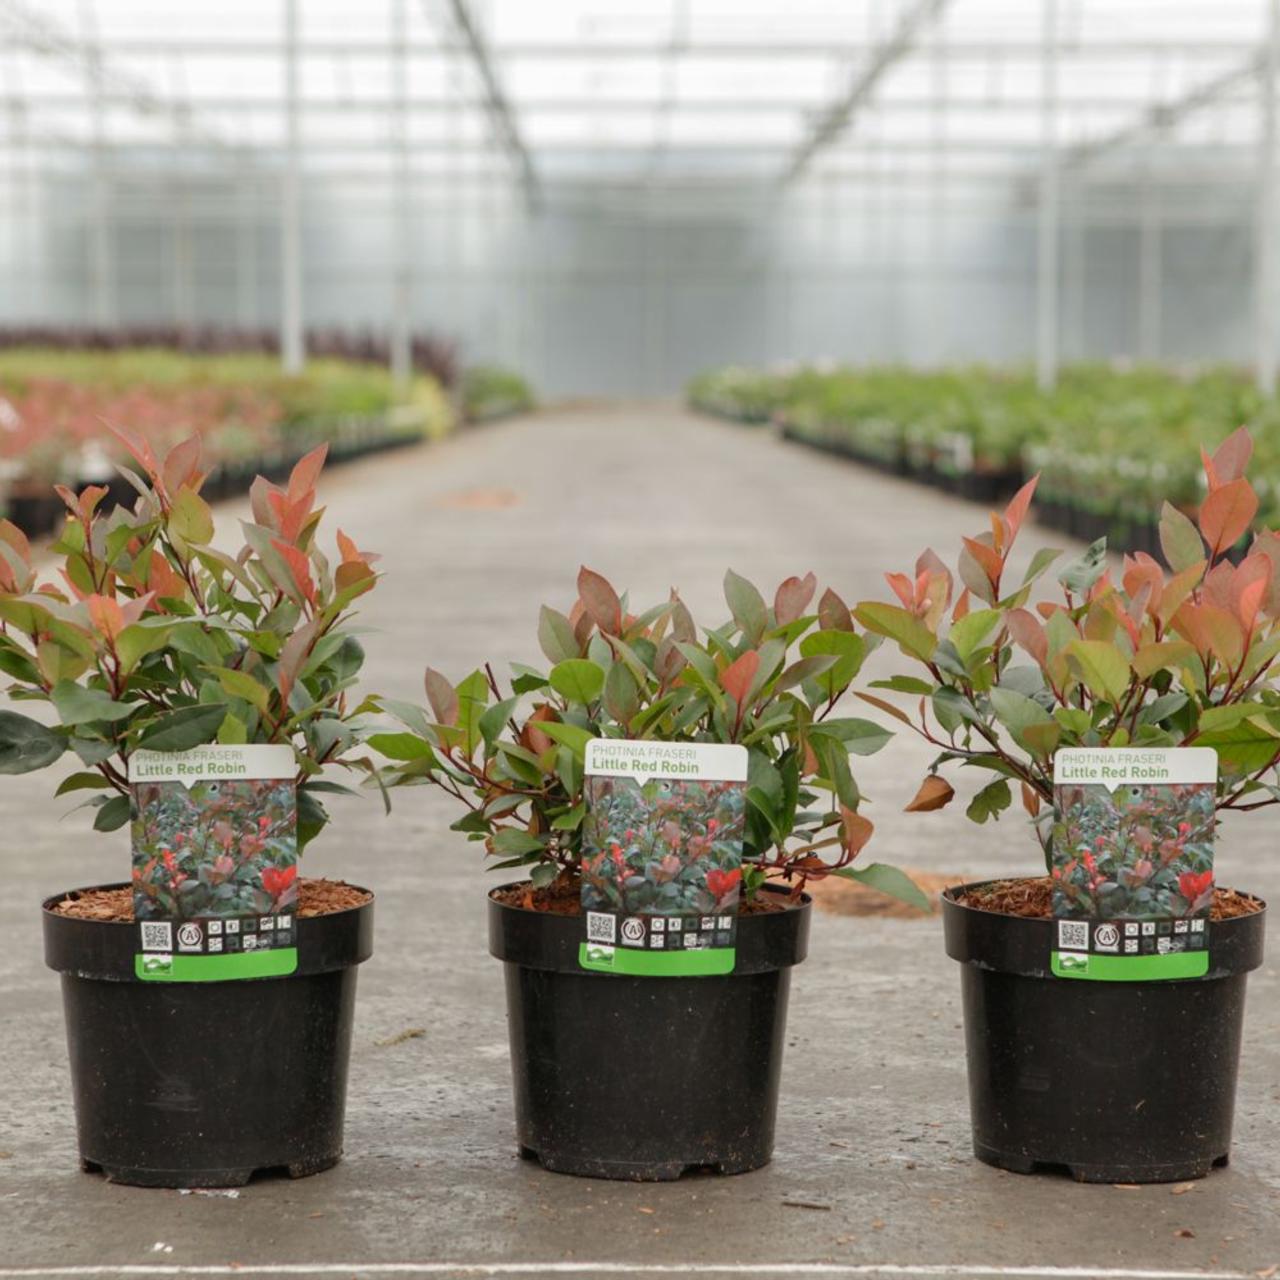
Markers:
point(600, 927)
point(157, 936)
point(1073, 935)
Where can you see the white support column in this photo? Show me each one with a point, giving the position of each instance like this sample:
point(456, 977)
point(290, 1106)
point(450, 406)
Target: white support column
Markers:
point(1264, 229)
point(1150, 267)
point(401, 287)
point(102, 265)
point(1074, 268)
point(181, 282)
point(939, 292)
point(1047, 248)
point(246, 246)
point(292, 338)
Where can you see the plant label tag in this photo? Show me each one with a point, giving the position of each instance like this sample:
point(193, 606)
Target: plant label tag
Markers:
point(215, 862)
point(662, 856)
point(1132, 862)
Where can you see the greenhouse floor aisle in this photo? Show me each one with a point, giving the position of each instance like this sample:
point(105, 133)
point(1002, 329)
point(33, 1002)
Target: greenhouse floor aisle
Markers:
point(872, 1173)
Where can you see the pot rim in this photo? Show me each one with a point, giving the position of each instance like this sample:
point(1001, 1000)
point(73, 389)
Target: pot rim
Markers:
point(948, 895)
point(806, 901)
point(549, 941)
point(47, 905)
point(1022, 945)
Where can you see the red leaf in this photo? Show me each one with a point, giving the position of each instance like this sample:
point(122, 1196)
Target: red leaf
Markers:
point(1016, 512)
point(1226, 513)
point(182, 464)
point(139, 448)
point(736, 680)
point(303, 477)
point(903, 588)
point(1027, 630)
point(600, 601)
point(792, 598)
point(299, 568)
point(1230, 458)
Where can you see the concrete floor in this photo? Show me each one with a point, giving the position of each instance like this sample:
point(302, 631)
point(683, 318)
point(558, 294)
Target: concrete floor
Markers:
point(873, 1128)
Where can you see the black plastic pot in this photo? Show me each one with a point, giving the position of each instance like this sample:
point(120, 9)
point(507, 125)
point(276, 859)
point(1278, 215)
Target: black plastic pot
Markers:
point(1109, 1081)
point(205, 1084)
point(645, 1078)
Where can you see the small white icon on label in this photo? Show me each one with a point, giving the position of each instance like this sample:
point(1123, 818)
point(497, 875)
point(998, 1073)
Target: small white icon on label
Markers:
point(1131, 929)
point(726, 922)
point(266, 923)
point(657, 941)
point(1148, 928)
point(215, 927)
point(189, 936)
point(233, 926)
point(1106, 937)
point(633, 929)
point(215, 944)
point(657, 924)
point(1197, 925)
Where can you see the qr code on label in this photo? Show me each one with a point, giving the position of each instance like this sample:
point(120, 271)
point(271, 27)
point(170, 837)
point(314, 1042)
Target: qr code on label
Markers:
point(1073, 935)
point(157, 936)
point(601, 927)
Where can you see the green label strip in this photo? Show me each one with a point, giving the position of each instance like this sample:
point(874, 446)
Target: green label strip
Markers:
point(1097, 968)
point(275, 962)
point(656, 964)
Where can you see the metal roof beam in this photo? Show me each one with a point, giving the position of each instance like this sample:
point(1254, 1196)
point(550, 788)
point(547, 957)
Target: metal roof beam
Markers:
point(501, 116)
point(957, 49)
point(837, 118)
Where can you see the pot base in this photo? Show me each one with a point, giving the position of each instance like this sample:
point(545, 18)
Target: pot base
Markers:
point(203, 1179)
point(1183, 1171)
point(634, 1171)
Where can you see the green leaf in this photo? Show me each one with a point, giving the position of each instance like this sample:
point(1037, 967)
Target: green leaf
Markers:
point(81, 782)
point(77, 705)
point(112, 815)
point(889, 620)
point(567, 735)
point(190, 518)
point(1042, 559)
point(973, 631)
point(1080, 575)
point(862, 737)
point(495, 719)
point(26, 744)
point(239, 684)
point(747, 606)
point(890, 880)
point(1179, 539)
point(400, 746)
point(990, 802)
point(1102, 667)
point(577, 680)
point(511, 841)
point(1243, 748)
point(1018, 713)
point(135, 642)
point(183, 729)
point(847, 648)
point(555, 635)
point(905, 684)
point(621, 693)
point(233, 731)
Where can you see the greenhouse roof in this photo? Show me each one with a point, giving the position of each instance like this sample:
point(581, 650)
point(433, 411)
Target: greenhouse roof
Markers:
point(639, 93)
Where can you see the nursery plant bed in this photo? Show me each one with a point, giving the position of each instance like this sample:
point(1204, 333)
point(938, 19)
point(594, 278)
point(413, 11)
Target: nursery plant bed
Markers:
point(205, 1084)
point(1128, 1082)
point(643, 1078)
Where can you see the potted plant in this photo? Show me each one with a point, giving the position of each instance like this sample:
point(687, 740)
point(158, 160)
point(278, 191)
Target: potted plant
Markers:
point(644, 1077)
point(1124, 1081)
point(155, 638)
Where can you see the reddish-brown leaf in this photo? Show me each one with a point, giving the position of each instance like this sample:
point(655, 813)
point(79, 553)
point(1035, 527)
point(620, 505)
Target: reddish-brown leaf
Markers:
point(443, 698)
point(903, 588)
point(1028, 631)
point(1030, 800)
point(962, 606)
point(1016, 512)
point(736, 678)
point(182, 465)
point(934, 793)
point(792, 598)
point(306, 471)
point(856, 830)
point(1230, 458)
point(600, 601)
point(833, 613)
point(106, 615)
point(299, 569)
point(139, 448)
point(1226, 513)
